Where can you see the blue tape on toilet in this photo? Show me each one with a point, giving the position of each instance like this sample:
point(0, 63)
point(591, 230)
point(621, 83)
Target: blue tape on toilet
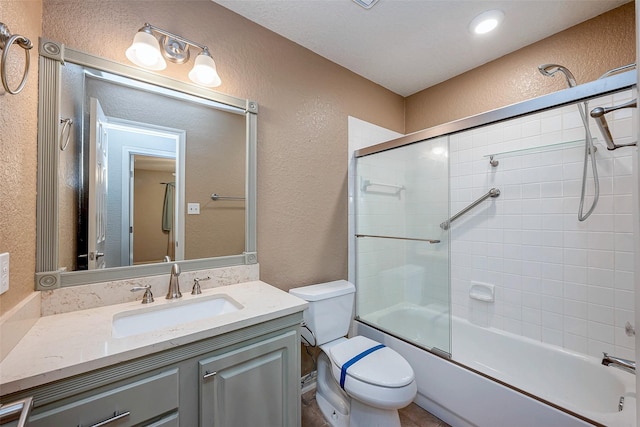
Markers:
point(354, 359)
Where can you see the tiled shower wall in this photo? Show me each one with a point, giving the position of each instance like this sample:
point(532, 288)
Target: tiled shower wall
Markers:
point(557, 280)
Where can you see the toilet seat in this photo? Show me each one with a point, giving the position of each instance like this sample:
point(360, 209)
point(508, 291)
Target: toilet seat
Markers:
point(382, 379)
point(384, 367)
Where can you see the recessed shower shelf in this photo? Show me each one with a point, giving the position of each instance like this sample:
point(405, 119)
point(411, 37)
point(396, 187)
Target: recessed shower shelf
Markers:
point(539, 149)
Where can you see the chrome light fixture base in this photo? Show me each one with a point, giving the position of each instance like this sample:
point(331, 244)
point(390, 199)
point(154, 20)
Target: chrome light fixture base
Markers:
point(174, 50)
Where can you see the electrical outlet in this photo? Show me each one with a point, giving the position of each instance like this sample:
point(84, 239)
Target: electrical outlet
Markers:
point(193, 208)
point(4, 272)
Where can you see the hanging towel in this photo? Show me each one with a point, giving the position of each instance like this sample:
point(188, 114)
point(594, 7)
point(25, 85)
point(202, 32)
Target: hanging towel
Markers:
point(167, 209)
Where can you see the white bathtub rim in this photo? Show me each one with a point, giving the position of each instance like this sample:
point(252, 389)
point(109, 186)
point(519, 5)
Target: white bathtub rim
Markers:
point(626, 417)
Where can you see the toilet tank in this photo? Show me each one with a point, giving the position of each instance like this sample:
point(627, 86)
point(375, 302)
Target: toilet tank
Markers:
point(330, 310)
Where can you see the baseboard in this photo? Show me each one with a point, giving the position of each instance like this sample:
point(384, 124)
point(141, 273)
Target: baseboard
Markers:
point(309, 383)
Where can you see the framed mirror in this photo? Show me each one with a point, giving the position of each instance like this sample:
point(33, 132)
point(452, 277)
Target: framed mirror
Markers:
point(135, 170)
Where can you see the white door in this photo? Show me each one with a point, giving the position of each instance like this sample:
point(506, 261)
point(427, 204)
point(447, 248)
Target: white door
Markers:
point(97, 186)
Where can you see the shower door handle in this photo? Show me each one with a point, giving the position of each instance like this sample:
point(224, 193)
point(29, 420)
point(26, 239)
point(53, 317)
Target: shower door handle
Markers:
point(598, 114)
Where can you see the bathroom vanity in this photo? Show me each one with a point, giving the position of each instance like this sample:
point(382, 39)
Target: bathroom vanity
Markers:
point(240, 367)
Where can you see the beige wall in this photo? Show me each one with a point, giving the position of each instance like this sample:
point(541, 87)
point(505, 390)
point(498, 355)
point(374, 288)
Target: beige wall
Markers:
point(302, 132)
point(150, 243)
point(302, 125)
point(588, 50)
point(18, 134)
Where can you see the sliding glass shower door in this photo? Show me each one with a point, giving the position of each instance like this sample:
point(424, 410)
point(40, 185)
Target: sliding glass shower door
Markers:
point(402, 252)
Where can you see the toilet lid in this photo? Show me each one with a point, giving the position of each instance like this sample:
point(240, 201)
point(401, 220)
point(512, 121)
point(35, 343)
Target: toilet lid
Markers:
point(383, 367)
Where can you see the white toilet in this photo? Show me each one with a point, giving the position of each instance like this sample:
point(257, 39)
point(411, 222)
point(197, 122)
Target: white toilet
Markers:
point(375, 382)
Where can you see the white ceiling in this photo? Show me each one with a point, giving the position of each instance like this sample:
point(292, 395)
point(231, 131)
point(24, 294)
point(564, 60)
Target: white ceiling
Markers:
point(409, 45)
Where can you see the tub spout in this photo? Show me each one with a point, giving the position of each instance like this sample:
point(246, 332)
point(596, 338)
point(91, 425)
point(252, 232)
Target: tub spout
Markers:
point(618, 362)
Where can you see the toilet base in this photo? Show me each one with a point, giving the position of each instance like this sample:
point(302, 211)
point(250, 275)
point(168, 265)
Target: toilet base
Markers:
point(367, 416)
point(342, 411)
point(333, 417)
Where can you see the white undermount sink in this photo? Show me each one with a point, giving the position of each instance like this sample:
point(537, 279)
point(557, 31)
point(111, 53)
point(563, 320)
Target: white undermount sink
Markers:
point(171, 314)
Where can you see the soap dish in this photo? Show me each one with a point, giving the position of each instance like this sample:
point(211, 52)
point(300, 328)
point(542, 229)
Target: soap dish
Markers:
point(482, 291)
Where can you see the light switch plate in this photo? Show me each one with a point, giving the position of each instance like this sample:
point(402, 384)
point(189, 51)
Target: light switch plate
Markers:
point(4, 272)
point(193, 208)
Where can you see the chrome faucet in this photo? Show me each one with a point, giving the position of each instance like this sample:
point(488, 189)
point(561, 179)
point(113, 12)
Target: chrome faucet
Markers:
point(174, 284)
point(618, 362)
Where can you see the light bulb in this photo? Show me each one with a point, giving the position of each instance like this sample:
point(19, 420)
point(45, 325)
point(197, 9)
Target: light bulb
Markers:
point(486, 21)
point(204, 71)
point(145, 51)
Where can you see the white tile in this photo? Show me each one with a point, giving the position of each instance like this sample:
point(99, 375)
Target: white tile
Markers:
point(552, 304)
point(575, 257)
point(601, 259)
point(600, 295)
point(601, 277)
point(532, 189)
point(552, 271)
point(553, 288)
point(575, 326)
point(601, 332)
point(576, 309)
point(624, 300)
point(575, 343)
point(531, 300)
point(575, 274)
point(625, 261)
point(624, 280)
point(624, 242)
point(551, 189)
point(532, 331)
point(601, 314)
point(576, 291)
point(623, 223)
point(552, 336)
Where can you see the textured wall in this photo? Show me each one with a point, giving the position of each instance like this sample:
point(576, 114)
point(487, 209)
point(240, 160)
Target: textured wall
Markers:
point(302, 125)
point(18, 134)
point(588, 50)
point(302, 132)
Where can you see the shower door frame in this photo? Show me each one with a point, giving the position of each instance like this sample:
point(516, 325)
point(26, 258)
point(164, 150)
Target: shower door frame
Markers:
point(583, 92)
point(573, 95)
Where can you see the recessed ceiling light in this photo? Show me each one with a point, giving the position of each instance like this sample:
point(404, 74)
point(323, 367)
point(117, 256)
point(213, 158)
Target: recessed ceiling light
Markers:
point(486, 21)
point(367, 4)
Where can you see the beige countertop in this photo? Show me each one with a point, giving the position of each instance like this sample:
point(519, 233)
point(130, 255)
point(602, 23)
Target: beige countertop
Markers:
point(73, 343)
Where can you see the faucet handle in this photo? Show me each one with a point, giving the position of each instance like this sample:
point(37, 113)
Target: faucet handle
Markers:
point(196, 285)
point(148, 296)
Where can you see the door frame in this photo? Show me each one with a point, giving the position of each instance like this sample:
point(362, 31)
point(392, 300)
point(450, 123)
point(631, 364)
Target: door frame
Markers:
point(179, 136)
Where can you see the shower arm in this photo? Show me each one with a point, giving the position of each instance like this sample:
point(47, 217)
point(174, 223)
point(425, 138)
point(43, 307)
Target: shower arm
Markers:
point(598, 114)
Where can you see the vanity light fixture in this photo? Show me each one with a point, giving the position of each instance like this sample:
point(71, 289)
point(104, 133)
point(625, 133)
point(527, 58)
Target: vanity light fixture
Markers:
point(148, 52)
point(486, 21)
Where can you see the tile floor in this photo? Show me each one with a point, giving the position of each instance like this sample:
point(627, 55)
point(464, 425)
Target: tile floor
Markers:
point(411, 416)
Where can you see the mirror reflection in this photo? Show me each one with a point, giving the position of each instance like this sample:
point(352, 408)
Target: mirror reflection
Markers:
point(138, 170)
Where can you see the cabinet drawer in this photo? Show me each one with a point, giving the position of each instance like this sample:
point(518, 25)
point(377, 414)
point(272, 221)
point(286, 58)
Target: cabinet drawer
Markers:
point(142, 399)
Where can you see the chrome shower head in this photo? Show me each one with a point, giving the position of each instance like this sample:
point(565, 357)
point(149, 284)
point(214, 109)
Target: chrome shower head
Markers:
point(550, 69)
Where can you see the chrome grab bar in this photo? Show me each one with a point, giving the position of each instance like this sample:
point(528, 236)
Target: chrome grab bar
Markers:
point(598, 114)
point(10, 411)
point(215, 196)
point(432, 241)
point(494, 192)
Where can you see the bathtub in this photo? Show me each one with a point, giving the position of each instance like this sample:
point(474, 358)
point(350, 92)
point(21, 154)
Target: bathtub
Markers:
point(500, 379)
